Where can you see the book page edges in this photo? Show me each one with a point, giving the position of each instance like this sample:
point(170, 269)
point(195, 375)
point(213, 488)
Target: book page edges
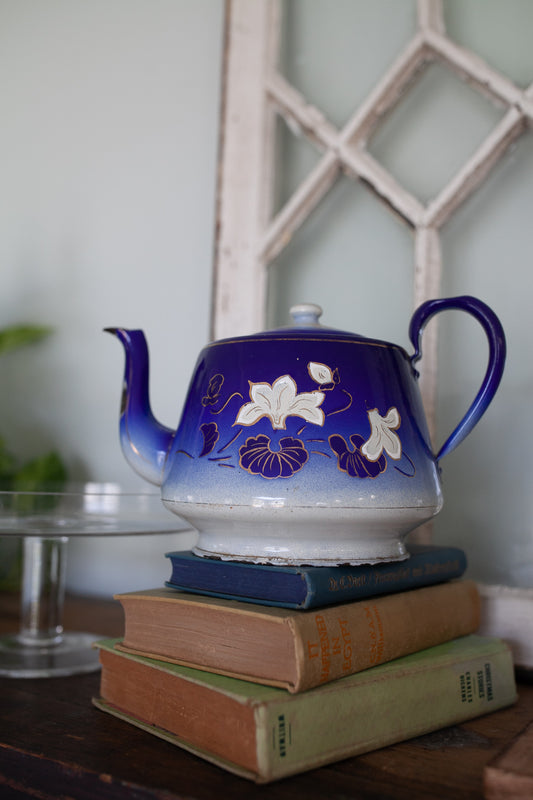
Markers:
point(166, 595)
point(214, 671)
point(275, 666)
point(236, 769)
point(256, 693)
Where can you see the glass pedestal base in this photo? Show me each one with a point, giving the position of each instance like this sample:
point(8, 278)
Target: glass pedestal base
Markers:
point(70, 654)
point(46, 521)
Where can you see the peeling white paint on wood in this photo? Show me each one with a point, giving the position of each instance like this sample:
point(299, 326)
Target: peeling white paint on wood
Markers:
point(245, 174)
point(430, 15)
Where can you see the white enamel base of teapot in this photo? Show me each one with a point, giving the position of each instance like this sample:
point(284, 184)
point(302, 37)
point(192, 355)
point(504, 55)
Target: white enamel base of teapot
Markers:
point(294, 536)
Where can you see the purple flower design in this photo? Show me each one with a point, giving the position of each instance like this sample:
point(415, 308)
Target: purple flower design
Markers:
point(353, 462)
point(257, 457)
point(211, 436)
point(213, 390)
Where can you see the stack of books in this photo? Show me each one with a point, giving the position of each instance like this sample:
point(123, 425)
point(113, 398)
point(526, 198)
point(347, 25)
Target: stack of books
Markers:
point(269, 671)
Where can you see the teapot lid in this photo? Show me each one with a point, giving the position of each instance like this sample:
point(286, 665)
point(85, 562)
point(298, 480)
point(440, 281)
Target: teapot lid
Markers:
point(306, 327)
point(306, 323)
point(306, 315)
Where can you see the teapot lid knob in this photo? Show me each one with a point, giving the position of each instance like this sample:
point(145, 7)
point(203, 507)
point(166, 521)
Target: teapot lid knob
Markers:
point(306, 315)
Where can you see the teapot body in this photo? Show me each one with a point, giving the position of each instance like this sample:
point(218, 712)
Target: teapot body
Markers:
point(304, 445)
point(303, 439)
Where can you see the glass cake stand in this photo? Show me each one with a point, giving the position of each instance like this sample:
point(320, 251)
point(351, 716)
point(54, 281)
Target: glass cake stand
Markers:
point(46, 521)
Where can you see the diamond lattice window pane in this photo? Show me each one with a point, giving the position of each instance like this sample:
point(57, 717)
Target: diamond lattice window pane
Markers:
point(341, 259)
point(433, 130)
point(499, 32)
point(296, 156)
point(325, 52)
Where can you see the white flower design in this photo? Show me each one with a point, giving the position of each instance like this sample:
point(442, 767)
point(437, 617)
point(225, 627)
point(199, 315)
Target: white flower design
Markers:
point(320, 373)
point(382, 436)
point(279, 401)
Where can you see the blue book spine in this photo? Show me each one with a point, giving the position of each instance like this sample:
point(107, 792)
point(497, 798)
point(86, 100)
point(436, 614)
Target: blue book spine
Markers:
point(313, 587)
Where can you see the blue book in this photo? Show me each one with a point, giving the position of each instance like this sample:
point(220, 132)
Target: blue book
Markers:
point(312, 587)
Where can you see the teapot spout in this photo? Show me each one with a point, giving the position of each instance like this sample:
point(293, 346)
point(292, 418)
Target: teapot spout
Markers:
point(145, 442)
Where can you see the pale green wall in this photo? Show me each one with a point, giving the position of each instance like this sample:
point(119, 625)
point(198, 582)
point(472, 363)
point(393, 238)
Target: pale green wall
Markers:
point(108, 147)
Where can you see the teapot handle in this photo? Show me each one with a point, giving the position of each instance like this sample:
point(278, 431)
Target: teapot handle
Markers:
point(497, 349)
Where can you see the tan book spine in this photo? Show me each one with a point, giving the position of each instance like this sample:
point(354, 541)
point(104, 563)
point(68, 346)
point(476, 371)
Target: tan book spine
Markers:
point(341, 640)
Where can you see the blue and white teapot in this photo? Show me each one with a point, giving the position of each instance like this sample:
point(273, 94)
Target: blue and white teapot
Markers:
point(301, 445)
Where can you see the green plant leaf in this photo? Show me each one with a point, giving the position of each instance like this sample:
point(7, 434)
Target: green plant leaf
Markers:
point(45, 473)
point(17, 336)
point(7, 466)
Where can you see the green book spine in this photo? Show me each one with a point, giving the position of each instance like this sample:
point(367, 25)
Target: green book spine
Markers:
point(417, 694)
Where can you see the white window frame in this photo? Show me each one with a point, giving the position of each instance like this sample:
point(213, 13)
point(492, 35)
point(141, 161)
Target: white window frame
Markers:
point(248, 238)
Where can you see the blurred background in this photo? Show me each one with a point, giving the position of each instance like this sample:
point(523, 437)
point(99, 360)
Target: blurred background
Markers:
point(108, 148)
point(108, 144)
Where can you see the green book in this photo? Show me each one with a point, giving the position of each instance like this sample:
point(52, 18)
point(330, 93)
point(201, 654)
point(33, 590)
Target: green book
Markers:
point(266, 733)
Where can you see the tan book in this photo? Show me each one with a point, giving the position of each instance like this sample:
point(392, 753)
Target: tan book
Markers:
point(296, 650)
point(264, 733)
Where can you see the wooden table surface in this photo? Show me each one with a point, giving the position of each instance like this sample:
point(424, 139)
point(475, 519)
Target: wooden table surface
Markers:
point(54, 744)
